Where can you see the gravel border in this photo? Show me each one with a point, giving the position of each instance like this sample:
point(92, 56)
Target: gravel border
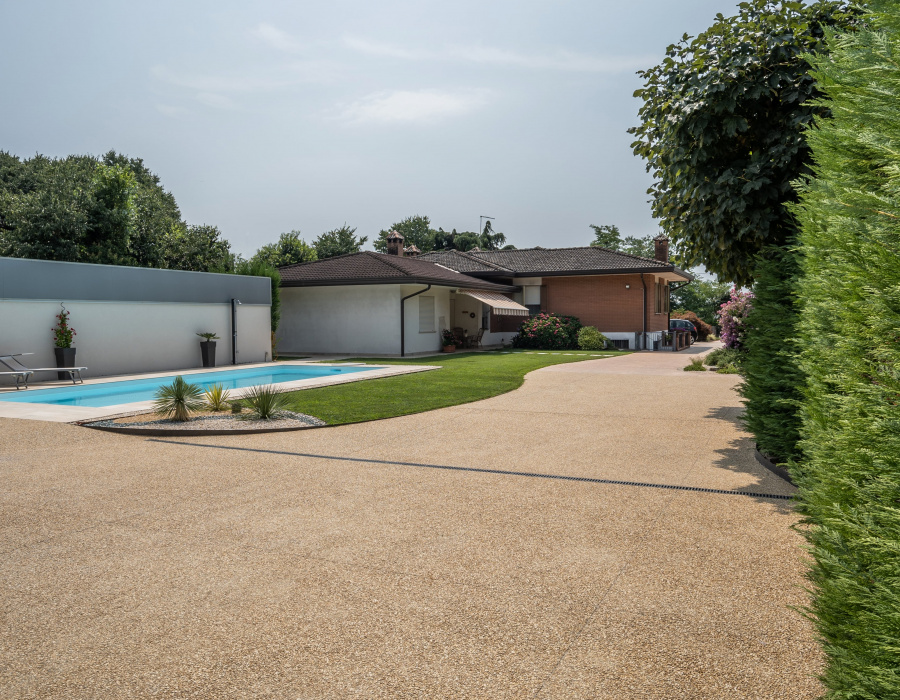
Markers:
point(210, 425)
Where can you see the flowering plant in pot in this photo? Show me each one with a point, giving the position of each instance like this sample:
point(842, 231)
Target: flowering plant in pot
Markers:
point(208, 349)
point(448, 340)
point(63, 337)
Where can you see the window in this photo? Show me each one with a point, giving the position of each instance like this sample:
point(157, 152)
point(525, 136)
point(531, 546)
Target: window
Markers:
point(426, 314)
point(662, 297)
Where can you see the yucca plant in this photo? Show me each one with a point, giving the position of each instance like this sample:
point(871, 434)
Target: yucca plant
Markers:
point(265, 402)
point(178, 400)
point(217, 397)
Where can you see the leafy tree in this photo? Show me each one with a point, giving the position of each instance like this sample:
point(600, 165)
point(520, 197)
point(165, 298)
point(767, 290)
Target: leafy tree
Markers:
point(607, 236)
point(723, 120)
point(156, 213)
point(70, 209)
point(45, 207)
point(722, 126)
point(197, 248)
point(111, 210)
point(110, 216)
point(339, 241)
point(416, 230)
point(850, 355)
point(288, 250)
point(490, 239)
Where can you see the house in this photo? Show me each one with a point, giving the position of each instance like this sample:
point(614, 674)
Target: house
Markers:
point(387, 304)
point(624, 296)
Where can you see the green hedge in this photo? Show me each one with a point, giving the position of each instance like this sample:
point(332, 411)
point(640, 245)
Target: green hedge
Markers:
point(850, 338)
point(772, 379)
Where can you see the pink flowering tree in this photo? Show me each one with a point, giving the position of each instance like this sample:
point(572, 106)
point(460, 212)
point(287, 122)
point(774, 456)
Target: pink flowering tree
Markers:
point(732, 316)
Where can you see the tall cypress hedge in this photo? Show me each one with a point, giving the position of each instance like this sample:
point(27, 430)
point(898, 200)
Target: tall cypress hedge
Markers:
point(850, 353)
point(772, 378)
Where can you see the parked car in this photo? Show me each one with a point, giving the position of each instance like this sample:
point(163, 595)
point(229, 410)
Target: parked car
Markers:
point(680, 324)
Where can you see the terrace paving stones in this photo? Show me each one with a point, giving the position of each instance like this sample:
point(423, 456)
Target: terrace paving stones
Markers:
point(146, 568)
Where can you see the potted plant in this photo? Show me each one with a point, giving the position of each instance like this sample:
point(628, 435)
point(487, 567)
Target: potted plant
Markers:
point(208, 349)
point(63, 335)
point(448, 340)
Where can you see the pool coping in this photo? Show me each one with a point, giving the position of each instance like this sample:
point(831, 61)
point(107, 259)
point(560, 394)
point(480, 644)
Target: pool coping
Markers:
point(80, 414)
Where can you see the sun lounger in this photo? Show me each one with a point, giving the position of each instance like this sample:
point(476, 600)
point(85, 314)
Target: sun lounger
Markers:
point(17, 367)
point(21, 377)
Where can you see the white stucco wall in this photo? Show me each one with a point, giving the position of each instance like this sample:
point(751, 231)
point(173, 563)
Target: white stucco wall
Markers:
point(357, 319)
point(130, 337)
point(343, 319)
point(425, 342)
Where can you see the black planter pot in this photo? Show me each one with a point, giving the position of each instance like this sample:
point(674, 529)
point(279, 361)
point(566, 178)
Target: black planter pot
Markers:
point(65, 357)
point(208, 352)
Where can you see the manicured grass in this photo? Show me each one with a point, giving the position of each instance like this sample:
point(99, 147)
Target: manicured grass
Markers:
point(463, 377)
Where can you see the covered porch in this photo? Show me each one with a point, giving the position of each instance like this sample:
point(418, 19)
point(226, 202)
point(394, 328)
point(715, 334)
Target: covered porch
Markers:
point(481, 318)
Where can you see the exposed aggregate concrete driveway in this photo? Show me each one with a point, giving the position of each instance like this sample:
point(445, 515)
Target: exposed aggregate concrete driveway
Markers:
point(326, 564)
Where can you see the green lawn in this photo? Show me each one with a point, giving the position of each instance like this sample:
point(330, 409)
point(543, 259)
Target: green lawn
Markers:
point(463, 377)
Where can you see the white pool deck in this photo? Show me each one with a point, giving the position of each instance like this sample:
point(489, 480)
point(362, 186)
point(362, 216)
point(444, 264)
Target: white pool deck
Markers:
point(73, 414)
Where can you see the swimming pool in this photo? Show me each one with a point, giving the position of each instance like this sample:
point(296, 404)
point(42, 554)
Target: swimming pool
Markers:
point(134, 390)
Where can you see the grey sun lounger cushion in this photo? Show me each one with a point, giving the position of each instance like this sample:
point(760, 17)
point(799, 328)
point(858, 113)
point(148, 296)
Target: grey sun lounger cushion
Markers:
point(12, 363)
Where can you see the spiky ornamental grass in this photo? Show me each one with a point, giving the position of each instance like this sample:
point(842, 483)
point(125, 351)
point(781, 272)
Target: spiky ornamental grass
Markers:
point(266, 402)
point(217, 398)
point(178, 400)
point(850, 353)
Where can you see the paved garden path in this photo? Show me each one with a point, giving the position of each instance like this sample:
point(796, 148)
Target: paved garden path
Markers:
point(473, 552)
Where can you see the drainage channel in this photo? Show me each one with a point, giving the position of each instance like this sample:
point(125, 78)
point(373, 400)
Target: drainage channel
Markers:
point(480, 470)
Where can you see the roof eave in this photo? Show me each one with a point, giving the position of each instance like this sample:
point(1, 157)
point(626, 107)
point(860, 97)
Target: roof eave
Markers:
point(466, 282)
point(611, 271)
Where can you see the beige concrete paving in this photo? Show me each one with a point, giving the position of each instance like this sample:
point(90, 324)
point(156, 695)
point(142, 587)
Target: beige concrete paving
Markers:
point(323, 564)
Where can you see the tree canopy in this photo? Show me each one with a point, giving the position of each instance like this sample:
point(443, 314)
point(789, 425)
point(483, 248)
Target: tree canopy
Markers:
point(338, 241)
point(289, 249)
point(109, 210)
point(722, 130)
point(416, 230)
point(609, 236)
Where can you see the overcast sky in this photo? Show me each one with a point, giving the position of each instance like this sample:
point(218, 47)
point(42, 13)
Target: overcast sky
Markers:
point(264, 117)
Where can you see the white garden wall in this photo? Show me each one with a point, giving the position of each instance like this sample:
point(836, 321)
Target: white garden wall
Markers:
point(129, 320)
point(133, 337)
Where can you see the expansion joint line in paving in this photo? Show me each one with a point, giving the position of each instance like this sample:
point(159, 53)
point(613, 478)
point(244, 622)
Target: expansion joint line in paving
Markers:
point(481, 470)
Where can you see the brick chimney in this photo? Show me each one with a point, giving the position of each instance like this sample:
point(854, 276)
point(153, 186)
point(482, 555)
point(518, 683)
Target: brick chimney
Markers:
point(662, 249)
point(395, 244)
point(411, 251)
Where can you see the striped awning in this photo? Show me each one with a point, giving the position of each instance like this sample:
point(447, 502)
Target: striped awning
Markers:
point(502, 306)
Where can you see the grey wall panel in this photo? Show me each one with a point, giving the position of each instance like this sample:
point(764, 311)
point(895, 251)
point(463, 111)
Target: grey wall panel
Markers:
point(47, 279)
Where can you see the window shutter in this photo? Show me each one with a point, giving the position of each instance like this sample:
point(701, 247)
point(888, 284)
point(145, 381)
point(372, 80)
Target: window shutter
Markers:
point(426, 314)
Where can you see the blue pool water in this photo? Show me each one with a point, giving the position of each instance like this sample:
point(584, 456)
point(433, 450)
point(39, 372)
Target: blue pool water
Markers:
point(132, 390)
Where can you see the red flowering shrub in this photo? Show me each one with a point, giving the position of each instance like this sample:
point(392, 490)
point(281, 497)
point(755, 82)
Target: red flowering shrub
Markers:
point(548, 332)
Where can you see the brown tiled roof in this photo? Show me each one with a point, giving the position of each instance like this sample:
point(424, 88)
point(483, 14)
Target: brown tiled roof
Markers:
point(463, 262)
point(377, 268)
point(587, 258)
point(548, 261)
